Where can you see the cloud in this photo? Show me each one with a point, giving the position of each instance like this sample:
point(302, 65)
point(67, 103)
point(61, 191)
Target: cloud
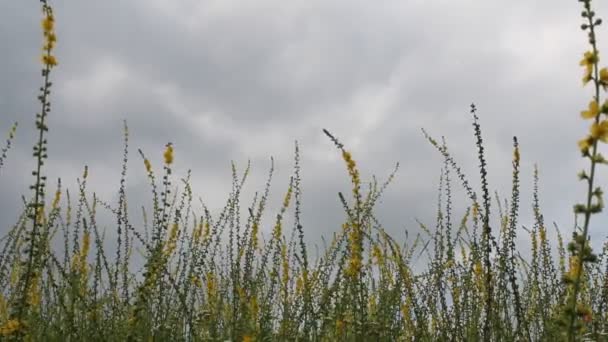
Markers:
point(233, 80)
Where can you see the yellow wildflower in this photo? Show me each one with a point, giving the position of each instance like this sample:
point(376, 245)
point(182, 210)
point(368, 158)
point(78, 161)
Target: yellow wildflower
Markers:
point(49, 60)
point(542, 232)
point(299, 285)
point(247, 338)
point(478, 268)
point(592, 112)
point(48, 46)
point(148, 165)
point(588, 61)
point(207, 231)
point(171, 243)
point(254, 234)
point(86, 245)
point(600, 131)
point(372, 303)
point(285, 265)
point(354, 266)
point(33, 293)
point(340, 326)
point(377, 253)
point(575, 269)
point(48, 24)
point(604, 75)
point(40, 216)
point(254, 307)
point(15, 273)
point(585, 144)
point(196, 281)
point(56, 199)
point(198, 232)
point(168, 154)
point(287, 197)
point(10, 327)
point(211, 284)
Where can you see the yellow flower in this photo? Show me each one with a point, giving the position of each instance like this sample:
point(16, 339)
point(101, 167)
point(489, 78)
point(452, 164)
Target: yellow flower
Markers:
point(196, 281)
point(48, 46)
point(588, 61)
point(254, 308)
point(10, 327)
point(587, 77)
point(340, 326)
point(585, 144)
point(475, 209)
point(56, 199)
point(478, 268)
point(211, 284)
point(575, 269)
point(49, 60)
point(168, 154)
point(377, 253)
point(592, 112)
point(299, 285)
point(148, 165)
point(600, 131)
point(247, 338)
point(287, 197)
point(48, 23)
point(51, 39)
point(542, 232)
point(198, 232)
point(604, 75)
point(33, 293)
point(171, 243)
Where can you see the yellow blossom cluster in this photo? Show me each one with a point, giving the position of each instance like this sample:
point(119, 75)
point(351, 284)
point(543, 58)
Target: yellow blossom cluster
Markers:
point(171, 243)
point(575, 269)
point(211, 285)
point(168, 154)
point(148, 165)
point(10, 327)
point(285, 266)
point(599, 128)
point(355, 262)
point(56, 199)
point(50, 39)
point(33, 292)
point(196, 281)
point(588, 61)
point(352, 170)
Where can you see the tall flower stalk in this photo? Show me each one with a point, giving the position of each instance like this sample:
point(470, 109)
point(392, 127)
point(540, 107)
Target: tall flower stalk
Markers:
point(577, 314)
point(29, 282)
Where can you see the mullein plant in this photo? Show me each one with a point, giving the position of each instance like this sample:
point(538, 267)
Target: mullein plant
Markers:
point(577, 314)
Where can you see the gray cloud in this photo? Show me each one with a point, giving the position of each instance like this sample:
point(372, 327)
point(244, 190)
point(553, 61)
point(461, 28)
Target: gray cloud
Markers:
point(228, 80)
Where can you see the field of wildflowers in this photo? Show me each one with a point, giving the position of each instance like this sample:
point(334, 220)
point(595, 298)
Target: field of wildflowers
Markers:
point(217, 278)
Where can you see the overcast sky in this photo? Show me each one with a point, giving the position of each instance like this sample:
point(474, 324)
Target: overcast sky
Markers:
point(236, 80)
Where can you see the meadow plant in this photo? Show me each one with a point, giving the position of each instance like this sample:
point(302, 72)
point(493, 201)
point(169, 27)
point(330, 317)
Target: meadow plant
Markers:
point(217, 277)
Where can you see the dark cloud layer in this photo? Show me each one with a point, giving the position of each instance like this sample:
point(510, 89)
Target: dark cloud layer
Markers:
point(233, 80)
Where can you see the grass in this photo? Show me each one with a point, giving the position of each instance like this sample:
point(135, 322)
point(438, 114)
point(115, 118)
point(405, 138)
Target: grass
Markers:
point(217, 278)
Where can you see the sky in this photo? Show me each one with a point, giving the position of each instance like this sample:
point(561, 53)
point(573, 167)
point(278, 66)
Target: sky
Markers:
point(228, 80)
